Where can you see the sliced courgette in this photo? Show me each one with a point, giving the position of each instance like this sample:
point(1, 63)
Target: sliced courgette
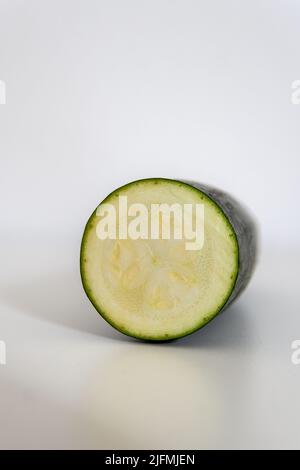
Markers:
point(156, 289)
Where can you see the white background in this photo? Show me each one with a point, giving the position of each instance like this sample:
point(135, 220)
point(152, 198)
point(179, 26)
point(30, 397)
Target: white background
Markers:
point(99, 93)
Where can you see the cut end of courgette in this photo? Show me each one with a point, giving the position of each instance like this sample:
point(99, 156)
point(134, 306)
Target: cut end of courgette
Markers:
point(157, 289)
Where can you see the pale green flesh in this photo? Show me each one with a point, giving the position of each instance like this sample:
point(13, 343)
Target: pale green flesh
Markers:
point(156, 289)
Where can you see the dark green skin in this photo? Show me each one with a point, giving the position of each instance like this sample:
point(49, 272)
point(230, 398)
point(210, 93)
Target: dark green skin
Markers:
point(246, 232)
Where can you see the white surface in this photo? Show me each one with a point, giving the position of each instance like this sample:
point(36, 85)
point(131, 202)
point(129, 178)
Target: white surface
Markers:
point(72, 381)
point(101, 93)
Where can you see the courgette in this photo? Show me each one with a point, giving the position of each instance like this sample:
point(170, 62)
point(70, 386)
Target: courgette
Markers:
point(157, 289)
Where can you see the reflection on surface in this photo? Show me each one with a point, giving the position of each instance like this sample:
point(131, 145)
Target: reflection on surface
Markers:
point(153, 395)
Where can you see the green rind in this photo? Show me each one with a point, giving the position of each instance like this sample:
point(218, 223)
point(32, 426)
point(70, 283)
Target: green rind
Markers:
point(208, 318)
